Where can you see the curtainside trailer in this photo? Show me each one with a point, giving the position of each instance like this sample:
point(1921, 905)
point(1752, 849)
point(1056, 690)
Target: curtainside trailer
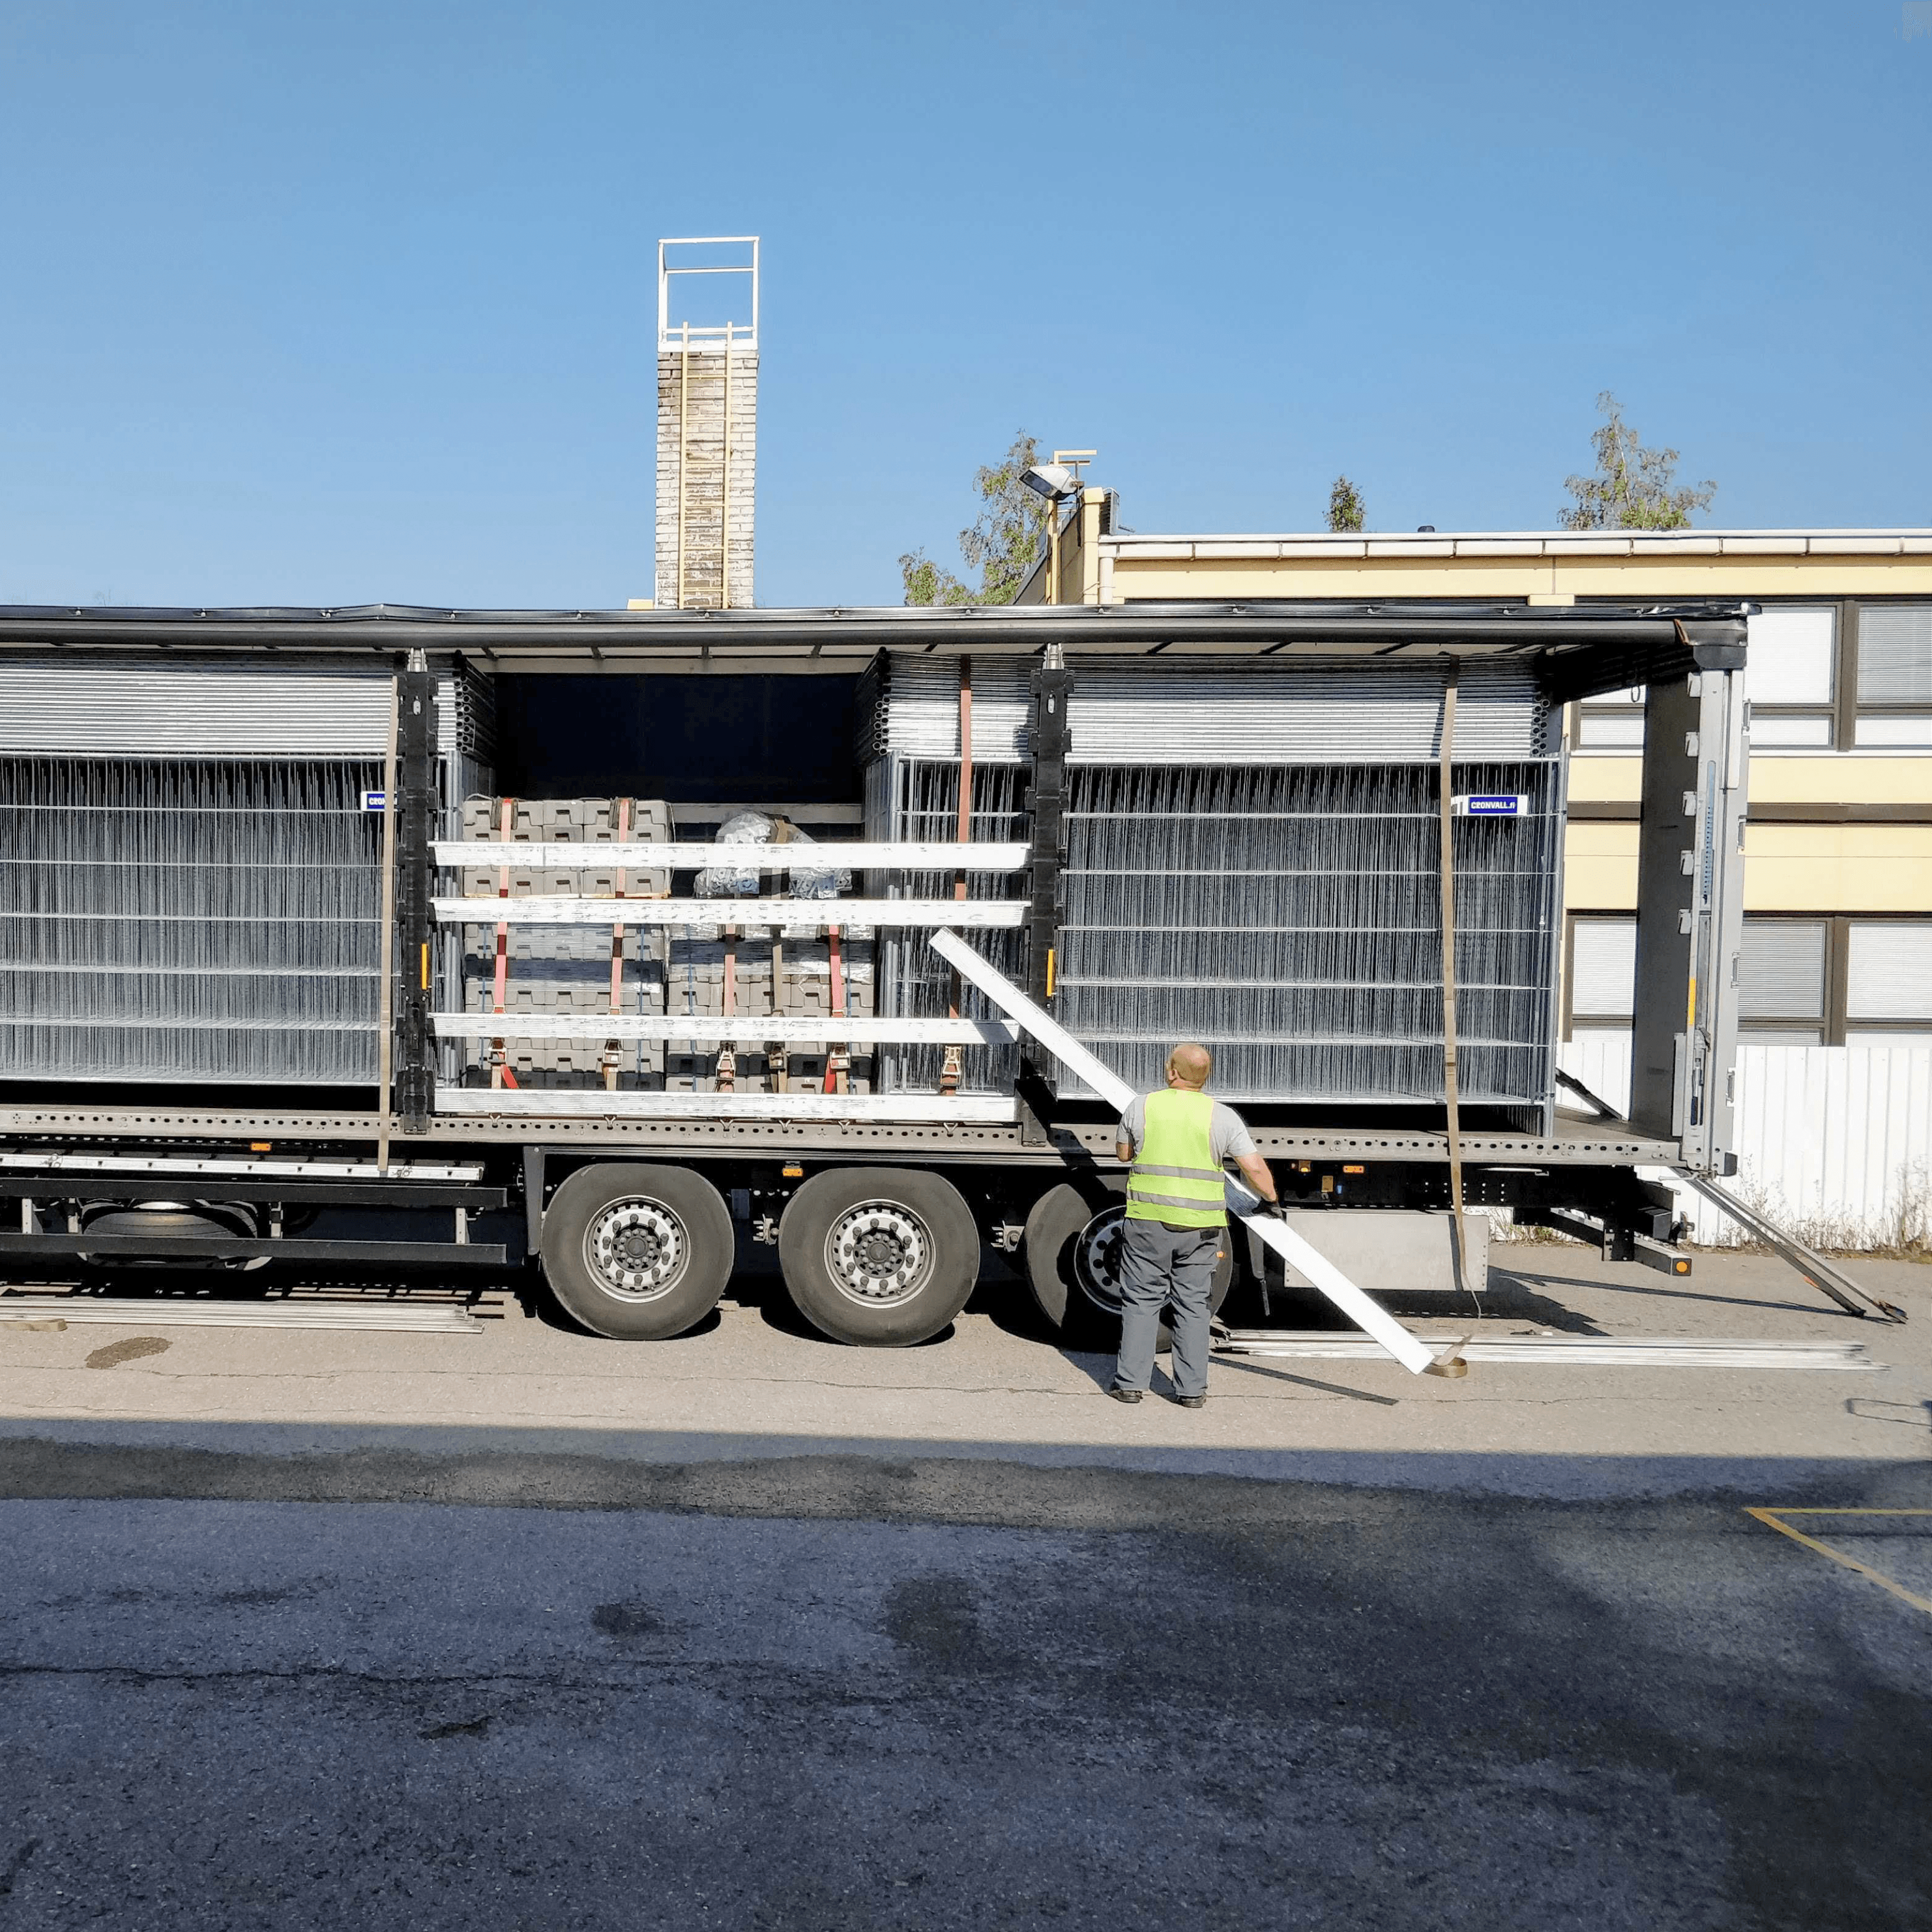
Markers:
point(424, 940)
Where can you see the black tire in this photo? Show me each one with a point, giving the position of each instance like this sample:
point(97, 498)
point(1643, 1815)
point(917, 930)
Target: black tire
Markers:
point(605, 1238)
point(1068, 1280)
point(922, 1239)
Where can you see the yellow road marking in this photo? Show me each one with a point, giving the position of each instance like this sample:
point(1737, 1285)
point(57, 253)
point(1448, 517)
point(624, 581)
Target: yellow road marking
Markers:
point(1878, 1577)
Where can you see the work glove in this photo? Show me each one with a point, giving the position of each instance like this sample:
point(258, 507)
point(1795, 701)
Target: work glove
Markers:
point(1273, 1210)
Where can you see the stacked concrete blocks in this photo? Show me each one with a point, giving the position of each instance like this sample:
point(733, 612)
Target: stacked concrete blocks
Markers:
point(564, 969)
point(694, 984)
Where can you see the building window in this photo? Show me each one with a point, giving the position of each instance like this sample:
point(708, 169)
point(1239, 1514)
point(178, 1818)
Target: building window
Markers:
point(1613, 723)
point(1791, 676)
point(1888, 981)
point(1894, 675)
point(1802, 981)
point(1820, 677)
point(1782, 965)
point(1600, 987)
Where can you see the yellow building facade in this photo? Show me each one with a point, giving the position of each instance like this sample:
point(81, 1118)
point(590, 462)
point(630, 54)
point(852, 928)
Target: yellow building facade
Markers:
point(1838, 877)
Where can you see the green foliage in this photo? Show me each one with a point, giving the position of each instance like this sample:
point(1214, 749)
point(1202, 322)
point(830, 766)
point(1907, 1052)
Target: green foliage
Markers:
point(1632, 489)
point(1004, 542)
point(1344, 506)
point(929, 583)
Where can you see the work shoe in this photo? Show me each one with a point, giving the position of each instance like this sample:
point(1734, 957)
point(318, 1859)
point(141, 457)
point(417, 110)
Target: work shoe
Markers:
point(1126, 1394)
point(1190, 1401)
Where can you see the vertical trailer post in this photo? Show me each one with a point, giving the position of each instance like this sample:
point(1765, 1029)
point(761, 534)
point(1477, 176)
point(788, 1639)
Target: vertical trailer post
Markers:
point(386, 994)
point(415, 930)
point(951, 1069)
point(1690, 913)
point(1451, 1090)
point(1050, 741)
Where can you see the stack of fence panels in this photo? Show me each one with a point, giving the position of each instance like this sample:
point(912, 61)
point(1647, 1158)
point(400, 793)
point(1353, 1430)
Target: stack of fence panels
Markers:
point(1253, 863)
point(189, 864)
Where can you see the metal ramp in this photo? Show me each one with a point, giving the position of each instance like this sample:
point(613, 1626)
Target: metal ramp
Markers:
point(1813, 1267)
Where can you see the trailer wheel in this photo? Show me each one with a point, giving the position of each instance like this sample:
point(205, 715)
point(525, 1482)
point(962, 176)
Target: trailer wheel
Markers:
point(883, 1257)
point(638, 1253)
point(1072, 1248)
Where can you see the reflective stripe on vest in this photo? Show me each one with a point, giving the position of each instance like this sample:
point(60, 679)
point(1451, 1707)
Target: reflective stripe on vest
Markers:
point(1174, 1177)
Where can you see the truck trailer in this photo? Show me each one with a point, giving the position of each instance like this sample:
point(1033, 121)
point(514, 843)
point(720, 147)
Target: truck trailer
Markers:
point(433, 940)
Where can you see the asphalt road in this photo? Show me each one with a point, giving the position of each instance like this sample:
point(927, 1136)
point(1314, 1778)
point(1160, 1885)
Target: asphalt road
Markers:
point(369, 1681)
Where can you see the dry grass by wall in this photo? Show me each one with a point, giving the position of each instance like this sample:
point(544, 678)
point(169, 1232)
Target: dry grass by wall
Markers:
point(1904, 1233)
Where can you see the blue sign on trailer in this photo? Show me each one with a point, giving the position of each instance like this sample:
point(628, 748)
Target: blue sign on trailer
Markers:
point(374, 801)
point(1490, 804)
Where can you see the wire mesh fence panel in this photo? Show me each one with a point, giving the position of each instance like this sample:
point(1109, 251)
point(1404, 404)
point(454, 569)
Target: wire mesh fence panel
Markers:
point(1289, 917)
point(1282, 904)
point(919, 799)
point(189, 920)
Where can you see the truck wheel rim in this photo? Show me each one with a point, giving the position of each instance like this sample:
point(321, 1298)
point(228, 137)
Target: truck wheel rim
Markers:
point(1096, 1258)
point(879, 1253)
point(637, 1250)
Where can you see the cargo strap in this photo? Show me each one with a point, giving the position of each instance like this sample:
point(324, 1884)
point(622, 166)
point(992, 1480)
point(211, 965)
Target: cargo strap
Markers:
point(613, 1049)
point(1450, 1083)
point(501, 1073)
point(951, 1067)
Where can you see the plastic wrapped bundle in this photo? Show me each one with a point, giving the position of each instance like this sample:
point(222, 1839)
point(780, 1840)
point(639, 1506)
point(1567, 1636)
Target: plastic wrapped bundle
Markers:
point(730, 879)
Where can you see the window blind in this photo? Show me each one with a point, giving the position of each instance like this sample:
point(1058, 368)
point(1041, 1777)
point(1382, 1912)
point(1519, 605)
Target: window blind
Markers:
point(1789, 657)
point(1895, 654)
point(1603, 968)
point(1889, 974)
point(1781, 969)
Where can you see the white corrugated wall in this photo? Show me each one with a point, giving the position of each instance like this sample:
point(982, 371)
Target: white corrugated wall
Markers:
point(1834, 1142)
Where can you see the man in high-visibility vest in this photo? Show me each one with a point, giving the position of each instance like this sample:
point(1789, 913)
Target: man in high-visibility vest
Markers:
point(1178, 1141)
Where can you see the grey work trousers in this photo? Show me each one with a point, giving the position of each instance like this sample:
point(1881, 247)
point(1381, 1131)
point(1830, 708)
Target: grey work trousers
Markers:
point(1163, 1267)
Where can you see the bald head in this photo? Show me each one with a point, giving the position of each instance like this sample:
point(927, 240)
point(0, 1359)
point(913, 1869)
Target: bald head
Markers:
point(1190, 1065)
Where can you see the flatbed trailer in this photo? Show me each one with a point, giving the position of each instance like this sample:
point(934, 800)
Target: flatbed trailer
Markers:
point(879, 1205)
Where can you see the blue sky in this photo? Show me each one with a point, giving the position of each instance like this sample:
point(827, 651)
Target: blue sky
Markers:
point(315, 302)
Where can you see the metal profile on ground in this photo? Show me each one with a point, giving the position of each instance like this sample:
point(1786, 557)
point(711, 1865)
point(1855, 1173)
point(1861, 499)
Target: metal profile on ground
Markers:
point(131, 1312)
point(1599, 1351)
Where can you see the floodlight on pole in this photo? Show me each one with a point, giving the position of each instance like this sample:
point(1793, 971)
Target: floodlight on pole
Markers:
point(1053, 480)
point(1057, 482)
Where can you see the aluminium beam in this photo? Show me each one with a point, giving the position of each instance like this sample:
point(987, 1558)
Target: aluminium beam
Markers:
point(596, 1103)
point(905, 855)
point(1598, 1352)
point(745, 912)
point(166, 1311)
point(191, 1248)
point(754, 1028)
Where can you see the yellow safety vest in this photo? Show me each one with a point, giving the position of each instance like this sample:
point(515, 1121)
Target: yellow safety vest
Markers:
point(1175, 1177)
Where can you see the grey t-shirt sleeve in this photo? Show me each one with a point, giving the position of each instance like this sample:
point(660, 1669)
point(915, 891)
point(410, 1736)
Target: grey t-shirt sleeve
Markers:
point(1133, 1123)
point(1228, 1134)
